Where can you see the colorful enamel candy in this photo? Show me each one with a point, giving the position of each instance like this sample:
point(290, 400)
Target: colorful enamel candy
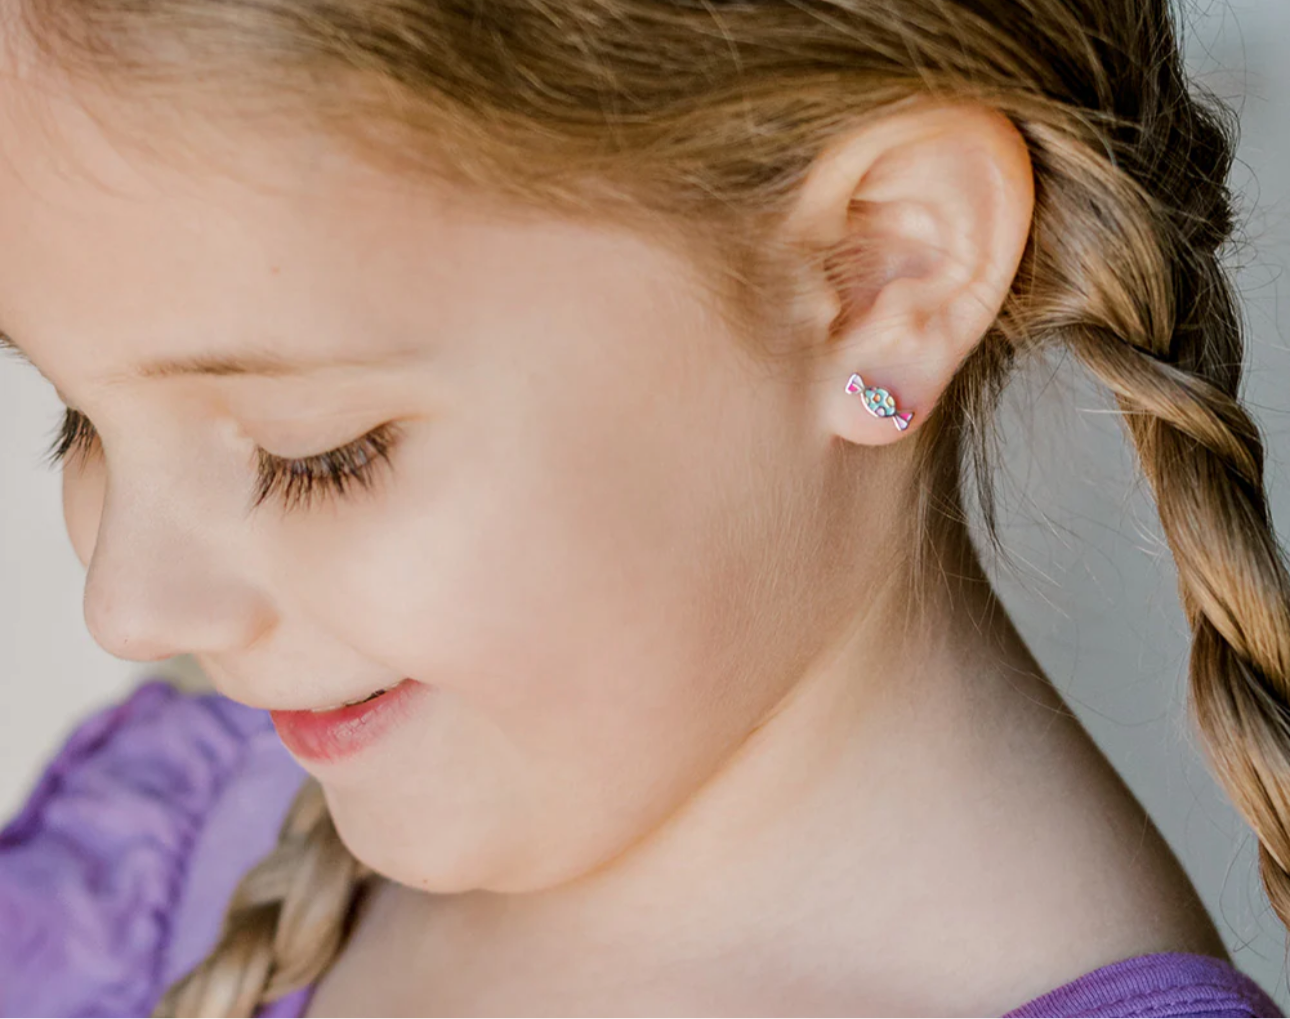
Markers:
point(879, 402)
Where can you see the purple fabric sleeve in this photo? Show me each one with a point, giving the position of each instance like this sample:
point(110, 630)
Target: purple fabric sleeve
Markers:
point(97, 912)
point(1156, 984)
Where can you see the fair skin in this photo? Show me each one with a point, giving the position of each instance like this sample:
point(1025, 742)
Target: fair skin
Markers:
point(681, 755)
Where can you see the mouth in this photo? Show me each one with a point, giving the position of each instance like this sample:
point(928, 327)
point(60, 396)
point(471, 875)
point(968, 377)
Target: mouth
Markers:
point(332, 733)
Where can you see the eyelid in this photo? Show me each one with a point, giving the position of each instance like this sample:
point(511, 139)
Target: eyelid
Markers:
point(299, 479)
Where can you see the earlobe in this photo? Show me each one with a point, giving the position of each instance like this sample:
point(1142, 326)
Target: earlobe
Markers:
point(925, 213)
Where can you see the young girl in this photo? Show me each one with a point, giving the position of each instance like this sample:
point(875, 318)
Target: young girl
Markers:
point(546, 424)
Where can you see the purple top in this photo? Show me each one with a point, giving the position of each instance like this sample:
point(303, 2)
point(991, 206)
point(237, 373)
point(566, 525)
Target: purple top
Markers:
point(114, 874)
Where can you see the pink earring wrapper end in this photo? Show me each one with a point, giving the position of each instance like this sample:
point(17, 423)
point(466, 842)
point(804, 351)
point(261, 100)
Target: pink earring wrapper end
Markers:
point(902, 420)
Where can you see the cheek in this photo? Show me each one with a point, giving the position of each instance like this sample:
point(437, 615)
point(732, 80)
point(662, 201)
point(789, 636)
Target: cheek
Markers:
point(538, 586)
point(82, 507)
point(577, 616)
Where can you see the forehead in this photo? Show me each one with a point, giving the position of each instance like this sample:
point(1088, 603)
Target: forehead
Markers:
point(132, 238)
point(125, 240)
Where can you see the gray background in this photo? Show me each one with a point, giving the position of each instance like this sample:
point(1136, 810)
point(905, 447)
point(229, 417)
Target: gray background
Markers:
point(1091, 585)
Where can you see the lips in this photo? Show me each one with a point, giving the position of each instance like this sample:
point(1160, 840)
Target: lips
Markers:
point(333, 734)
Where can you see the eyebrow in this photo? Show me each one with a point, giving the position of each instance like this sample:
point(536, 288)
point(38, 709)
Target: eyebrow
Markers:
point(257, 363)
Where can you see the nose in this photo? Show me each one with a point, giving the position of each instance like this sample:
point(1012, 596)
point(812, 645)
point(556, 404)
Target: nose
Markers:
point(161, 581)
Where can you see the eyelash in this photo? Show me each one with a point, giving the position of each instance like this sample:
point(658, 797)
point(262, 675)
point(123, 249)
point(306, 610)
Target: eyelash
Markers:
point(297, 483)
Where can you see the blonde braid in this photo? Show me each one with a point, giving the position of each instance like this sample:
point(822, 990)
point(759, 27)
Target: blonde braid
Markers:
point(1150, 311)
point(285, 922)
point(1204, 459)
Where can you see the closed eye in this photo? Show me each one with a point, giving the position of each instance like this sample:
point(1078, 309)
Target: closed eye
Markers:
point(295, 483)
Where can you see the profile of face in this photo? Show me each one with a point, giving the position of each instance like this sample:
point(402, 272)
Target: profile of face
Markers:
point(597, 540)
point(565, 543)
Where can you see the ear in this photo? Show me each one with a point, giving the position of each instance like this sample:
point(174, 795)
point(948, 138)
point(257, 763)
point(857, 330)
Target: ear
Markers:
point(929, 210)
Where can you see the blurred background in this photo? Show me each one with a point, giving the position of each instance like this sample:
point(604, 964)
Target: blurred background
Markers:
point(1090, 581)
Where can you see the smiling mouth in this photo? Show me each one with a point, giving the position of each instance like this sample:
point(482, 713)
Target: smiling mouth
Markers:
point(328, 735)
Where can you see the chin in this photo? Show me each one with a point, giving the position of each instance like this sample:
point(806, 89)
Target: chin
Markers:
point(444, 863)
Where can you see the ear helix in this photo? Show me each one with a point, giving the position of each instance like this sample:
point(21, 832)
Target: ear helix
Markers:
point(878, 402)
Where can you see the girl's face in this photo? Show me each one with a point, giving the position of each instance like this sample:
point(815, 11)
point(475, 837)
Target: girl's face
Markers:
point(598, 541)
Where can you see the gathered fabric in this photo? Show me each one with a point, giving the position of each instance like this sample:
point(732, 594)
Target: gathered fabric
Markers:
point(115, 873)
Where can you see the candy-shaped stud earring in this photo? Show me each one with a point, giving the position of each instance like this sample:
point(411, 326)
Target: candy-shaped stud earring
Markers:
point(878, 402)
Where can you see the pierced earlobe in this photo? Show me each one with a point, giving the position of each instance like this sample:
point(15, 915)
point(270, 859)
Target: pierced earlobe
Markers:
point(878, 402)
